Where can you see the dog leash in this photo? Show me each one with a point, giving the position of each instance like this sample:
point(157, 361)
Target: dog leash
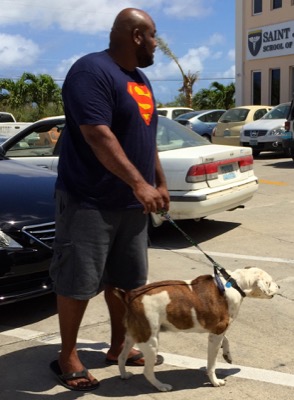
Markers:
point(218, 269)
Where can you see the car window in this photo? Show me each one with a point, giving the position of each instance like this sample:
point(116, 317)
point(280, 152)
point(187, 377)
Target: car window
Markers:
point(172, 135)
point(234, 115)
point(279, 112)
point(162, 112)
point(213, 116)
point(177, 113)
point(36, 144)
point(259, 113)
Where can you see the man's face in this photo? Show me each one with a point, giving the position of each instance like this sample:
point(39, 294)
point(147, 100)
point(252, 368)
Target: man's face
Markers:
point(145, 52)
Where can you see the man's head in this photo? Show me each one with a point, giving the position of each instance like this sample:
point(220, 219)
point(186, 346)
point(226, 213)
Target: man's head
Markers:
point(133, 37)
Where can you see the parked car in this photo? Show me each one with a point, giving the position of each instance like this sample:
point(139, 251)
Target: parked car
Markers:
point(26, 230)
point(267, 133)
point(288, 140)
point(202, 178)
point(201, 121)
point(227, 130)
point(172, 112)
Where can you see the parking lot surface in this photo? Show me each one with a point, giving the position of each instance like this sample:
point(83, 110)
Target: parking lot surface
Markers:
point(261, 338)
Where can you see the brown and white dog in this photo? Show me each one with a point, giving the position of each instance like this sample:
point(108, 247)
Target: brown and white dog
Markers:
point(191, 306)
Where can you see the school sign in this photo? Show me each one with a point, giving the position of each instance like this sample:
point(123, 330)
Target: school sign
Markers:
point(271, 41)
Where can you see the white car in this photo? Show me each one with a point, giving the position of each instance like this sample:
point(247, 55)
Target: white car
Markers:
point(267, 133)
point(202, 178)
point(173, 112)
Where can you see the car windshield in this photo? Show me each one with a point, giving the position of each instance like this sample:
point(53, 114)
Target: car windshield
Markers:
point(279, 112)
point(171, 136)
point(235, 115)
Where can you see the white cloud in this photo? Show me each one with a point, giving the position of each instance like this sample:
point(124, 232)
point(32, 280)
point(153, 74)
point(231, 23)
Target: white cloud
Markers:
point(15, 50)
point(65, 65)
point(232, 54)
point(92, 16)
point(215, 40)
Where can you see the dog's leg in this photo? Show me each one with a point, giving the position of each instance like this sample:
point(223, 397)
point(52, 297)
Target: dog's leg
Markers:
point(226, 350)
point(150, 349)
point(214, 344)
point(122, 358)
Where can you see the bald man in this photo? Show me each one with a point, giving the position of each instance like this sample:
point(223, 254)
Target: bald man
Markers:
point(109, 180)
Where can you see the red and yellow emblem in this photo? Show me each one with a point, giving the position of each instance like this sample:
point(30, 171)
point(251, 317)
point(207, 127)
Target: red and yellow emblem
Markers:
point(142, 95)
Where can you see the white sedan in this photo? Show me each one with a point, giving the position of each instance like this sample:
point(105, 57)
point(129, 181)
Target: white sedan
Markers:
point(202, 178)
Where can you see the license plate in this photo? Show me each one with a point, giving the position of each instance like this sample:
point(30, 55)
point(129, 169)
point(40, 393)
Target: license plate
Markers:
point(253, 142)
point(228, 171)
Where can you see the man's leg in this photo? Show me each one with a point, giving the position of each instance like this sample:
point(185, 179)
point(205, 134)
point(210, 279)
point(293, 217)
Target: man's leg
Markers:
point(71, 312)
point(117, 311)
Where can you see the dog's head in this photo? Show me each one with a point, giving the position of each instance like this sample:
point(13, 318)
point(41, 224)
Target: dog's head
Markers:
point(257, 283)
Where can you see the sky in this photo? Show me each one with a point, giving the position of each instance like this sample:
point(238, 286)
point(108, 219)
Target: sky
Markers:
point(47, 36)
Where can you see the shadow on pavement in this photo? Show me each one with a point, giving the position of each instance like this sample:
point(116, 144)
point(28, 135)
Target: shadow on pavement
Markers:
point(26, 376)
point(27, 312)
point(167, 236)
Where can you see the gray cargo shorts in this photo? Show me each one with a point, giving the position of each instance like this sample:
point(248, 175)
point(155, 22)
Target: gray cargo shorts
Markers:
point(96, 247)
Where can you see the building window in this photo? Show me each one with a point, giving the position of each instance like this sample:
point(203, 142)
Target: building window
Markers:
point(275, 86)
point(277, 4)
point(257, 6)
point(292, 82)
point(256, 88)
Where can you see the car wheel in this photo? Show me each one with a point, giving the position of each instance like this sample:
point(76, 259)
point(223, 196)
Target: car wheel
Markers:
point(291, 151)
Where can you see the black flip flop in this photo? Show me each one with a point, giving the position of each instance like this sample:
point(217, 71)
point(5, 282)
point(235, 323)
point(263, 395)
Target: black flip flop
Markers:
point(62, 378)
point(132, 361)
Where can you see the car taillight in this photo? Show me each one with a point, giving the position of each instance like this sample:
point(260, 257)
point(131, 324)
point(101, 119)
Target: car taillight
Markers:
point(245, 163)
point(202, 172)
point(209, 171)
point(287, 125)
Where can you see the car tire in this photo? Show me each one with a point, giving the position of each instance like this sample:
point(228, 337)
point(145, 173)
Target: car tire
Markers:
point(255, 153)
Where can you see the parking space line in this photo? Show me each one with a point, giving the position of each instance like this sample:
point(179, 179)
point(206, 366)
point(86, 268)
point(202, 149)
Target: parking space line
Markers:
point(232, 255)
point(277, 183)
point(239, 371)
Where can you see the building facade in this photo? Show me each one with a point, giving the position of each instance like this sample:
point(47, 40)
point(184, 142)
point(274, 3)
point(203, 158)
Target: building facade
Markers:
point(264, 51)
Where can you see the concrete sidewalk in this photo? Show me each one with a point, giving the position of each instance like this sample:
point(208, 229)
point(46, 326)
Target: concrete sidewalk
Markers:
point(261, 344)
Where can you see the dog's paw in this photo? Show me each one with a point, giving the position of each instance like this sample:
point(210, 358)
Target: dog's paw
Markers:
point(164, 387)
point(219, 382)
point(126, 375)
point(228, 358)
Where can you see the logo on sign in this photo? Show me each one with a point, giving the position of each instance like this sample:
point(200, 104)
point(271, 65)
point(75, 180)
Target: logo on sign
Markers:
point(255, 42)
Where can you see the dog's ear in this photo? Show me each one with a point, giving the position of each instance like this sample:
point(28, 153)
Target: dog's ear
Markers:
point(263, 286)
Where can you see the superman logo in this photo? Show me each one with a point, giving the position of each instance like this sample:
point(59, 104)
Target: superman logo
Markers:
point(143, 97)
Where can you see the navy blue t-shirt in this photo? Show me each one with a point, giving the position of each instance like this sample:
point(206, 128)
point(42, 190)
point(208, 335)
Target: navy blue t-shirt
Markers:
point(97, 91)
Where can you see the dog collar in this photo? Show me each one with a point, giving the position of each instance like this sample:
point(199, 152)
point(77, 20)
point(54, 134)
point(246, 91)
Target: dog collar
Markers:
point(231, 282)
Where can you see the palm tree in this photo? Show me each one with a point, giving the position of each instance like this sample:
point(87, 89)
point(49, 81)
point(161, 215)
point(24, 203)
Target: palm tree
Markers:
point(188, 79)
point(224, 94)
point(14, 94)
point(42, 90)
point(37, 91)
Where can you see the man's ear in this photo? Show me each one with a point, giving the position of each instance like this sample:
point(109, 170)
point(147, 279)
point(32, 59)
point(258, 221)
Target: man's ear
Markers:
point(137, 36)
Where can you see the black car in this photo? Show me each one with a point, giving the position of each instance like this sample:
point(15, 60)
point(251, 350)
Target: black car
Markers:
point(27, 230)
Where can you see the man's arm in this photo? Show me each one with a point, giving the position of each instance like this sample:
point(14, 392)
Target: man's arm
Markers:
point(109, 152)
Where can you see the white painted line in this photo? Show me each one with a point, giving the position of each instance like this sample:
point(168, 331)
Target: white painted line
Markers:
point(255, 374)
point(192, 250)
point(21, 333)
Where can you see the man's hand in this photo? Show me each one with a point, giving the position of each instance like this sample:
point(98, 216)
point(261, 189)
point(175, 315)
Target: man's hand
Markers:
point(150, 197)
